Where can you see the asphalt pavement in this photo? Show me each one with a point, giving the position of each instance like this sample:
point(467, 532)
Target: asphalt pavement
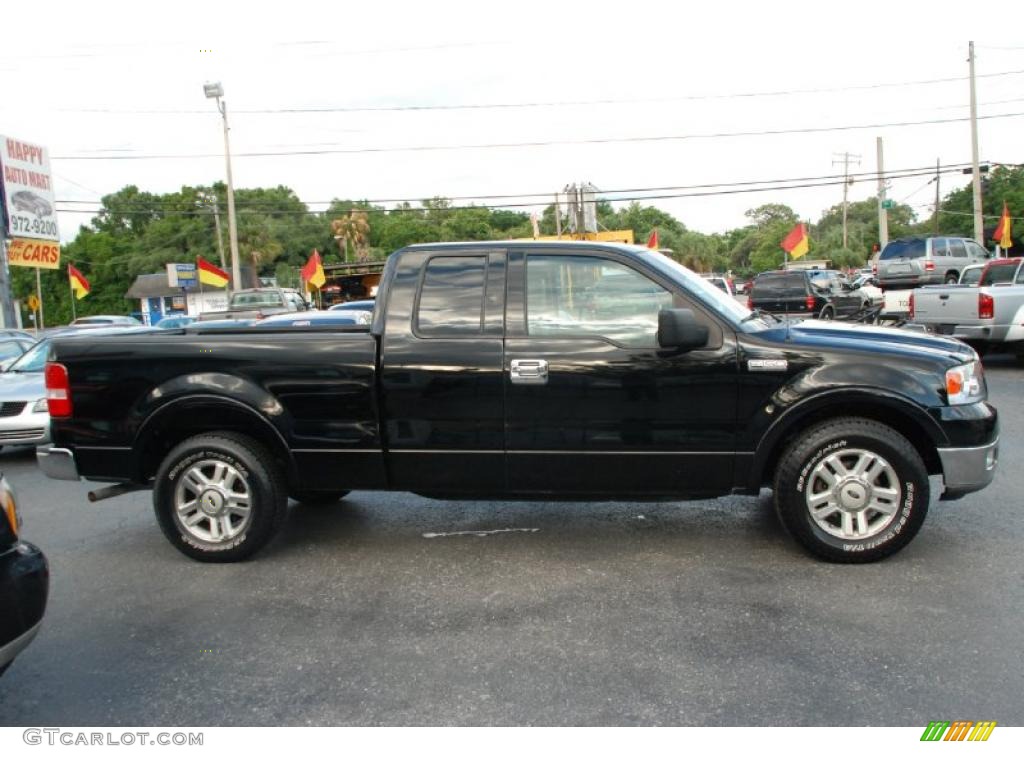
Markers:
point(700, 613)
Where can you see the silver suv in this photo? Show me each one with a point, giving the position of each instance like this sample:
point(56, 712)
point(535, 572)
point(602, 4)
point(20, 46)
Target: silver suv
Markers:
point(913, 261)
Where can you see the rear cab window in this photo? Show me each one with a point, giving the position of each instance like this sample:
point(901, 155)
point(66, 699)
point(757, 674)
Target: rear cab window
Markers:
point(999, 273)
point(451, 298)
point(903, 249)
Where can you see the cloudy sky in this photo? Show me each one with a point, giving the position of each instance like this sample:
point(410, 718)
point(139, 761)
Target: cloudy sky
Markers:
point(626, 95)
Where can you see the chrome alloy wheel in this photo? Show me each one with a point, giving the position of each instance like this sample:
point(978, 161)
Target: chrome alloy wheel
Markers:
point(212, 501)
point(853, 494)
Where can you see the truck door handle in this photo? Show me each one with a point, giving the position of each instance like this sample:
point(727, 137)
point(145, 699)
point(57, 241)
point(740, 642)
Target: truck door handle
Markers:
point(943, 296)
point(529, 372)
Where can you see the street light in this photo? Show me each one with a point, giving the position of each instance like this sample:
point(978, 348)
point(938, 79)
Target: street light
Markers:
point(216, 91)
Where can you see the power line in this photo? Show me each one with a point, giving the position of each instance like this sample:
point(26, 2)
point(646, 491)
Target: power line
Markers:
point(853, 176)
point(547, 143)
point(541, 104)
point(630, 198)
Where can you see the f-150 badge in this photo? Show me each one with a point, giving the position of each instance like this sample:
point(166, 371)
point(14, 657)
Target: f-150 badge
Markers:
point(767, 365)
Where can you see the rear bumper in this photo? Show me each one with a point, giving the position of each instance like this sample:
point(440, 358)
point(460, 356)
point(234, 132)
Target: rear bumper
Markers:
point(965, 470)
point(58, 463)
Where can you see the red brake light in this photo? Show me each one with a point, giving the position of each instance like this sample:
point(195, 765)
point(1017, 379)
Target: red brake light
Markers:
point(750, 302)
point(58, 394)
point(986, 306)
point(809, 302)
point(911, 309)
point(929, 266)
point(874, 268)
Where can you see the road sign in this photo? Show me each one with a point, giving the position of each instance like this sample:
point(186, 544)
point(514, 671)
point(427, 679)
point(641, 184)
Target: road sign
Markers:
point(41, 254)
point(33, 302)
point(182, 276)
point(887, 204)
point(28, 190)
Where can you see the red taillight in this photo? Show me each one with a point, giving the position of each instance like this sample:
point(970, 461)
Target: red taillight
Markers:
point(58, 394)
point(986, 306)
point(874, 268)
point(750, 302)
point(929, 266)
point(809, 302)
point(911, 307)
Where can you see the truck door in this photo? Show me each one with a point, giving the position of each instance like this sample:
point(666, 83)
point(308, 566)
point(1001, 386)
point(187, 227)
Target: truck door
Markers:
point(594, 405)
point(442, 390)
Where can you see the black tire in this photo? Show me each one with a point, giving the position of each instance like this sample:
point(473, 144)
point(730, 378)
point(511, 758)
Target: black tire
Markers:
point(951, 278)
point(827, 313)
point(261, 480)
point(317, 498)
point(797, 476)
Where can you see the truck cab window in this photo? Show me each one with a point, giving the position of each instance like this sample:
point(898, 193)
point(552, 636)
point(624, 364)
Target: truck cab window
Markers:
point(452, 296)
point(589, 296)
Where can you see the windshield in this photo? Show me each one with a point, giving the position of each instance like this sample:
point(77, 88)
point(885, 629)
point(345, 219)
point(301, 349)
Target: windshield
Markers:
point(34, 360)
point(704, 290)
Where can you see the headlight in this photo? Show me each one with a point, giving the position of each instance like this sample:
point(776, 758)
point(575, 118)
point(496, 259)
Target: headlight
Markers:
point(965, 384)
point(40, 406)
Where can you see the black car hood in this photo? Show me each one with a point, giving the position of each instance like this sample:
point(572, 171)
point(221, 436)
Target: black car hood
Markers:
point(880, 339)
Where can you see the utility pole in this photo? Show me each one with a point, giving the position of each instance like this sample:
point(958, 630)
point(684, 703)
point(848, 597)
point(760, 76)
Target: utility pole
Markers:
point(10, 317)
point(216, 91)
point(935, 216)
point(847, 157)
point(211, 199)
point(979, 229)
point(883, 212)
point(558, 218)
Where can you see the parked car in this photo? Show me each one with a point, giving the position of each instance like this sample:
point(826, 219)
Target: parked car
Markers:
point(788, 291)
point(27, 201)
point(219, 325)
point(316, 319)
point(648, 384)
point(990, 315)
point(174, 321)
point(24, 582)
point(257, 303)
point(850, 300)
point(105, 320)
point(364, 305)
point(971, 275)
point(911, 262)
point(723, 284)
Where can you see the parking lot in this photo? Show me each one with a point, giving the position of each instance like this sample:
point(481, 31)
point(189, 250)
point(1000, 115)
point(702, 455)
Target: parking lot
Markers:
point(701, 613)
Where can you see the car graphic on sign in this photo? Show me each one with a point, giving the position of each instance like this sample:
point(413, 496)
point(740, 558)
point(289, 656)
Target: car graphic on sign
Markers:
point(27, 201)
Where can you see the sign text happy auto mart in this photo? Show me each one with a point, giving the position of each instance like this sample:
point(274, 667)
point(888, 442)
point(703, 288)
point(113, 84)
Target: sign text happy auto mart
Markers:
point(30, 213)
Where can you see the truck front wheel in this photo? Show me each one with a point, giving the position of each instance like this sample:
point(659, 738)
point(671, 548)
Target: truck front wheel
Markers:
point(851, 490)
point(219, 497)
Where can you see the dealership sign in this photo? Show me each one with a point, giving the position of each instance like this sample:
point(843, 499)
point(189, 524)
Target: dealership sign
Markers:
point(182, 276)
point(28, 203)
point(42, 254)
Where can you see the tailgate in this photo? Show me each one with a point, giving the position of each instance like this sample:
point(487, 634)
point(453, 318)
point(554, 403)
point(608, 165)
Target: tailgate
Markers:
point(946, 305)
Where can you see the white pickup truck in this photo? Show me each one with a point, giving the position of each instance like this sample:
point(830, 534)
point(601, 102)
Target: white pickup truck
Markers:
point(989, 316)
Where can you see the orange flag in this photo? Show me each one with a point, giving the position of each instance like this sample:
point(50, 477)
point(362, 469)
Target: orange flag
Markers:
point(652, 241)
point(797, 243)
point(313, 272)
point(1002, 233)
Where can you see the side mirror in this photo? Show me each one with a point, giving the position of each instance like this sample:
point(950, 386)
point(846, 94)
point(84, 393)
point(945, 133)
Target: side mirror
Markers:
point(679, 329)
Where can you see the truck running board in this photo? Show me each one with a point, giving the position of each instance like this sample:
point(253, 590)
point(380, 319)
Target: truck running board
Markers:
point(100, 494)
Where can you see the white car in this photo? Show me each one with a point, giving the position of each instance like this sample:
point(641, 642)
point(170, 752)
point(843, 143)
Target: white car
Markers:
point(24, 418)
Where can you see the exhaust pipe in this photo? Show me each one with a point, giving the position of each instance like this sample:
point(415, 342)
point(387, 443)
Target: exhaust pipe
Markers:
point(101, 494)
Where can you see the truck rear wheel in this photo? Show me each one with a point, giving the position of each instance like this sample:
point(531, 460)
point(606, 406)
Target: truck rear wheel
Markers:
point(851, 490)
point(219, 497)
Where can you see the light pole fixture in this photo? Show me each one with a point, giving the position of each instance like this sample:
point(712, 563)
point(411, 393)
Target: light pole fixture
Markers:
point(216, 91)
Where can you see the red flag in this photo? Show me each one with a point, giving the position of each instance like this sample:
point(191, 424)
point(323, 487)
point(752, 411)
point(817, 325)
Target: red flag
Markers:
point(796, 243)
point(1002, 233)
point(79, 284)
point(209, 274)
point(313, 272)
point(652, 241)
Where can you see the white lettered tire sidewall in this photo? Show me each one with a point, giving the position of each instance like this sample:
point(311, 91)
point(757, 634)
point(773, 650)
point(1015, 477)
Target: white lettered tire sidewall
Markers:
point(255, 465)
point(799, 461)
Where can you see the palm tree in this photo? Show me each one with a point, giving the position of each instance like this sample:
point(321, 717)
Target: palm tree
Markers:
point(352, 228)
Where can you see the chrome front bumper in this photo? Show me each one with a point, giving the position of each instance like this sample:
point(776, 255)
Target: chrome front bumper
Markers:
point(58, 463)
point(965, 470)
point(17, 645)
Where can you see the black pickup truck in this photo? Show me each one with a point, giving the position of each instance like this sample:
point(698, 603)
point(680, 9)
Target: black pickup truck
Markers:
point(528, 370)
